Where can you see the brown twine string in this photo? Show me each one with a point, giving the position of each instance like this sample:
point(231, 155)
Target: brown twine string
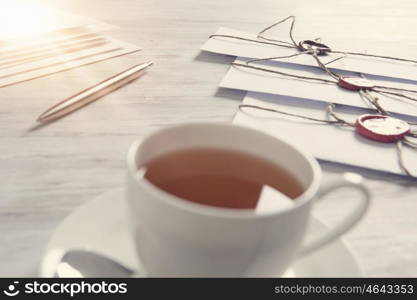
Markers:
point(364, 93)
point(398, 95)
point(323, 66)
point(272, 58)
point(394, 88)
point(330, 111)
point(410, 143)
point(315, 53)
point(249, 40)
point(332, 74)
point(377, 56)
point(283, 73)
point(269, 41)
point(294, 43)
point(374, 100)
point(399, 145)
point(338, 121)
point(336, 59)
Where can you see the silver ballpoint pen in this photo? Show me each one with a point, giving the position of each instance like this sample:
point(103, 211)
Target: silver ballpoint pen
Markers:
point(93, 93)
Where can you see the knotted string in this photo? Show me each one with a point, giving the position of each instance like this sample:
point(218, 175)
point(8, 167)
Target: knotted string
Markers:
point(316, 49)
point(338, 121)
point(300, 46)
point(388, 90)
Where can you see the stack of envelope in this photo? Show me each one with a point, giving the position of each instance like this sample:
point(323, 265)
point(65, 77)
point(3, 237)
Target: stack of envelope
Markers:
point(310, 98)
point(36, 41)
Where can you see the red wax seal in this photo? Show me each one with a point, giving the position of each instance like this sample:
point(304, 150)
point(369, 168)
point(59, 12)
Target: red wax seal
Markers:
point(355, 83)
point(381, 128)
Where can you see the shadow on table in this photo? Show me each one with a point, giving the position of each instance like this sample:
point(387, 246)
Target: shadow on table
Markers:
point(38, 126)
point(214, 58)
point(237, 95)
point(338, 168)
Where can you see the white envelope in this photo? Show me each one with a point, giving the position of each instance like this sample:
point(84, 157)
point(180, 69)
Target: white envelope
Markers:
point(326, 142)
point(260, 81)
point(366, 65)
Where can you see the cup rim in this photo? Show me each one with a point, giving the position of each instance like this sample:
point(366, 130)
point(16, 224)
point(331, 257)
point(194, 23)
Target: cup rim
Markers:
point(221, 212)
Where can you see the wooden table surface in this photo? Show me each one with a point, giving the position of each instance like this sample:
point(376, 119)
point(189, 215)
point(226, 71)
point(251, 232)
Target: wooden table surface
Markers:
point(47, 173)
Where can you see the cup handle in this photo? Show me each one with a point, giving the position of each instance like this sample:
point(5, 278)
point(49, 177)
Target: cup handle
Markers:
point(350, 180)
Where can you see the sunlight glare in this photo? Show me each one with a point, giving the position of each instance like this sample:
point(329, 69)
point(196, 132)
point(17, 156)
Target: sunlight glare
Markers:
point(19, 20)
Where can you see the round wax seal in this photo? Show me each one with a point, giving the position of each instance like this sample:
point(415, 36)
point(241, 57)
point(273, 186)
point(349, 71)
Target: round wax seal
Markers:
point(355, 83)
point(321, 48)
point(381, 128)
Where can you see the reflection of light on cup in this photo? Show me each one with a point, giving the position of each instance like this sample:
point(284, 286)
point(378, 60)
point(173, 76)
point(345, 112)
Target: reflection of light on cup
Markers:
point(66, 270)
point(23, 19)
point(271, 199)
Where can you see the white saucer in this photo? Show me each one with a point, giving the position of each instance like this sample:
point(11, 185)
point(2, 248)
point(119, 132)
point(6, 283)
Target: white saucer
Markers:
point(100, 225)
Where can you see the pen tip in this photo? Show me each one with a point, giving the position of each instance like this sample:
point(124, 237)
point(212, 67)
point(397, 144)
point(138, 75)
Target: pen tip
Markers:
point(40, 119)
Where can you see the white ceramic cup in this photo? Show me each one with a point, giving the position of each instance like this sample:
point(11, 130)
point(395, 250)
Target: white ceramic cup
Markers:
point(175, 237)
